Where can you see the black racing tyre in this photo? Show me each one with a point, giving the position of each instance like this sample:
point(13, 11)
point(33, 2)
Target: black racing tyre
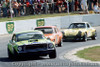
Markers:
point(15, 55)
point(60, 44)
point(85, 37)
point(52, 54)
point(10, 55)
point(94, 37)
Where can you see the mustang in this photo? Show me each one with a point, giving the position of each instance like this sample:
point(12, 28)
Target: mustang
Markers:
point(30, 43)
point(52, 33)
point(80, 31)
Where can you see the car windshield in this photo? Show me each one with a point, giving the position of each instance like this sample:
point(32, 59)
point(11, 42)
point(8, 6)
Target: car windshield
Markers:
point(77, 25)
point(28, 36)
point(45, 30)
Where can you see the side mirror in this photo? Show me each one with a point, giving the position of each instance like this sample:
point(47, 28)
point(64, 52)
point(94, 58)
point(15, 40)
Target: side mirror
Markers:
point(48, 38)
point(63, 32)
point(13, 41)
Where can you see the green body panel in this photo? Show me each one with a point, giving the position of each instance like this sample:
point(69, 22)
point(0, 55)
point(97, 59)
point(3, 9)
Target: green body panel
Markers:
point(12, 47)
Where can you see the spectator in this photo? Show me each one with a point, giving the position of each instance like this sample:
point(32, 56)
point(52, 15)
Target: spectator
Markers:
point(22, 7)
point(65, 5)
point(72, 5)
point(51, 5)
point(79, 5)
point(8, 8)
point(39, 6)
point(84, 6)
point(95, 2)
point(15, 8)
point(90, 4)
point(31, 6)
point(27, 8)
point(42, 5)
point(59, 5)
point(96, 8)
point(19, 8)
point(46, 6)
point(4, 8)
point(0, 9)
point(99, 1)
point(76, 5)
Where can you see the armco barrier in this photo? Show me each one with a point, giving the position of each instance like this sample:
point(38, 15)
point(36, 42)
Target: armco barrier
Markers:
point(60, 22)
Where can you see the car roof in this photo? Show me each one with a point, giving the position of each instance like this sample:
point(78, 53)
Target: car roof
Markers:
point(46, 27)
point(30, 31)
point(80, 22)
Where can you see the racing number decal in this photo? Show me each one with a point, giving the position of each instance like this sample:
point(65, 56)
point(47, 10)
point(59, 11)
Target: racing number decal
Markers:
point(10, 27)
point(40, 22)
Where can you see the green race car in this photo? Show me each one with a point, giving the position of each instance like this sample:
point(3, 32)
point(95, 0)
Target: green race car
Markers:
point(30, 43)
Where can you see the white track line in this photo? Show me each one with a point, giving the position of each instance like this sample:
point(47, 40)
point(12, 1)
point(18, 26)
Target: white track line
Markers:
point(71, 55)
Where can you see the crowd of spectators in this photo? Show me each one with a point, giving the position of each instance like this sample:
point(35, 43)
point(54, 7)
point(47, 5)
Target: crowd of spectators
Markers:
point(32, 7)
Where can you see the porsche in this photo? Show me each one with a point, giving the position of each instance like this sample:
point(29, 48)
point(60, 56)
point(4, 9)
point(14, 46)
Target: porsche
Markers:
point(80, 31)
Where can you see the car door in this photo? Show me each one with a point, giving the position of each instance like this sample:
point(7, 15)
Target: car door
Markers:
point(89, 30)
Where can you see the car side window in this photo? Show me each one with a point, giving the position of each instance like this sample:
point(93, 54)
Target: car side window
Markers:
point(13, 38)
point(88, 26)
point(55, 30)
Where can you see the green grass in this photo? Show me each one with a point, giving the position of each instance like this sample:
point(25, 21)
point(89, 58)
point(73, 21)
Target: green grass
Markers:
point(92, 53)
point(36, 16)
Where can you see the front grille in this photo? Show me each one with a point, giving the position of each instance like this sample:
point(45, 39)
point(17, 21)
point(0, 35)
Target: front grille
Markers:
point(36, 46)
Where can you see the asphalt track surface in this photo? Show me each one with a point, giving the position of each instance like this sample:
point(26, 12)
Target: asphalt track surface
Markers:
point(60, 61)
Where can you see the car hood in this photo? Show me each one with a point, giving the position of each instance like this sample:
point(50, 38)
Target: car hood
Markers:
point(73, 32)
point(28, 42)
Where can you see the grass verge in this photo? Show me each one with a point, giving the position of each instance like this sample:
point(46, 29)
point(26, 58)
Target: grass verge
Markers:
point(92, 53)
point(36, 16)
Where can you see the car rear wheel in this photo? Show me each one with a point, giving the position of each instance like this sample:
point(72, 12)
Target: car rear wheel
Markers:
point(60, 44)
point(94, 37)
point(52, 54)
point(85, 37)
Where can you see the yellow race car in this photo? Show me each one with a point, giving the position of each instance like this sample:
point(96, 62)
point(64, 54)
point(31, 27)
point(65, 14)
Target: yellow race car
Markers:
point(80, 31)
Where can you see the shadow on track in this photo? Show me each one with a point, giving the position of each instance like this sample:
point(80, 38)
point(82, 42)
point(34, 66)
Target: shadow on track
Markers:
point(6, 59)
point(71, 40)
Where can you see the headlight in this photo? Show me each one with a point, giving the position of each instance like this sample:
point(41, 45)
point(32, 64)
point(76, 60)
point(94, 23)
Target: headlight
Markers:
point(51, 45)
point(19, 48)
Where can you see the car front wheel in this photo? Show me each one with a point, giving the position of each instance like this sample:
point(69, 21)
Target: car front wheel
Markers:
point(94, 37)
point(9, 54)
point(60, 44)
point(52, 54)
point(85, 37)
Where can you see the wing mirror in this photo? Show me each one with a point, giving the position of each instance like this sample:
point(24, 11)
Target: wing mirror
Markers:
point(48, 38)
